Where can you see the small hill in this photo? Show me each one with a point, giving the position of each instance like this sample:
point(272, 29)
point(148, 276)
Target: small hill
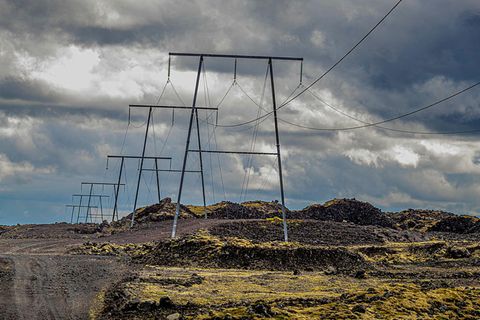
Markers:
point(272, 209)
point(457, 224)
point(165, 210)
point(350, 210)
point(418, 219)
point(245, 210)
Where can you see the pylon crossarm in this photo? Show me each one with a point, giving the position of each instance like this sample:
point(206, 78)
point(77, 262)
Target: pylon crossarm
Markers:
point(103, 183)
point(169, 107)
point(139, 157)
point(171, 170)
point(77, 206)
point(233, 56)
point(93, 195)
point(236, 152)
point(116, 188)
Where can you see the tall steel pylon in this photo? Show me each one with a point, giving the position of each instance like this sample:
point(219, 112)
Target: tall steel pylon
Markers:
point(194, 113)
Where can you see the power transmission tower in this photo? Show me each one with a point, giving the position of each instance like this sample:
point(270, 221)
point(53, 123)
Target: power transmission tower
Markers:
point(194, 113)
point(99, 196)
point(141, 158)
point(150, 109)
point(91, 184)
point(73, 206)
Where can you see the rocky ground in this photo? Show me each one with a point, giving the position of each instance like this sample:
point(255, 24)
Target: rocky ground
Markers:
point(345, 260)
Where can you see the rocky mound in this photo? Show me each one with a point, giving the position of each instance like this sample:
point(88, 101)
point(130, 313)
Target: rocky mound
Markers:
point(271, 209)
point(351, 210)
point(476, 228)
point(165, 210)
point(231, 210)
point(249, 210)
point(204, 250)
point(457, 224)
point(245, 210)
point(313, 232)
point(418, 219)
point(112, 249)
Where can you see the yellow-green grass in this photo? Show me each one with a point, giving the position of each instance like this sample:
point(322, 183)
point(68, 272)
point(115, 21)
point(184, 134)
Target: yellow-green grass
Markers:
point(232, 292)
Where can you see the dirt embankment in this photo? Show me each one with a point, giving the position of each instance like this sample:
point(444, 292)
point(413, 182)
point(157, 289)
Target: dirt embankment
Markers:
point(205, 250)
point(314, 232)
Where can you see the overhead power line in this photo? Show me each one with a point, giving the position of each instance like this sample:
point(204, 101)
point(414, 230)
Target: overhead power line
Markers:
point(325, 73)
point(375, 124)
point(378, 123)
point(344, 56)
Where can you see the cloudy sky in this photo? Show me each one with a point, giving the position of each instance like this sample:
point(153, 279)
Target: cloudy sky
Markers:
point(69, 70)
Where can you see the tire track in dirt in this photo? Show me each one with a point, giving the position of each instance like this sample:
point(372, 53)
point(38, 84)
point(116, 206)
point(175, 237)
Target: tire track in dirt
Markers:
point(34, 290)
point(7, 300)
point(53, 286)
point(36, 246)
point(57, 287)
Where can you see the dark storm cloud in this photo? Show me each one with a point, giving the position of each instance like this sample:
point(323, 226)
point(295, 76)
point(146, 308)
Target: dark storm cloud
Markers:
point(421, 53)
point(64, 111)
point(146, 34)
point(36, 98)
point(84, 22)
point(412, 46)
point(12, 88)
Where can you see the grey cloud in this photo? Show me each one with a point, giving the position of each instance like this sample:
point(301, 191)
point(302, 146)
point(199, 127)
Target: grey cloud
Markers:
point(421, 53)
point(12, 88)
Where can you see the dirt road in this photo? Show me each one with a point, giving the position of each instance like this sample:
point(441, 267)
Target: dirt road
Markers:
point(38, 280)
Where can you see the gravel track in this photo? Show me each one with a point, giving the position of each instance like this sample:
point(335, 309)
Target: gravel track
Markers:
point(39, 281)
